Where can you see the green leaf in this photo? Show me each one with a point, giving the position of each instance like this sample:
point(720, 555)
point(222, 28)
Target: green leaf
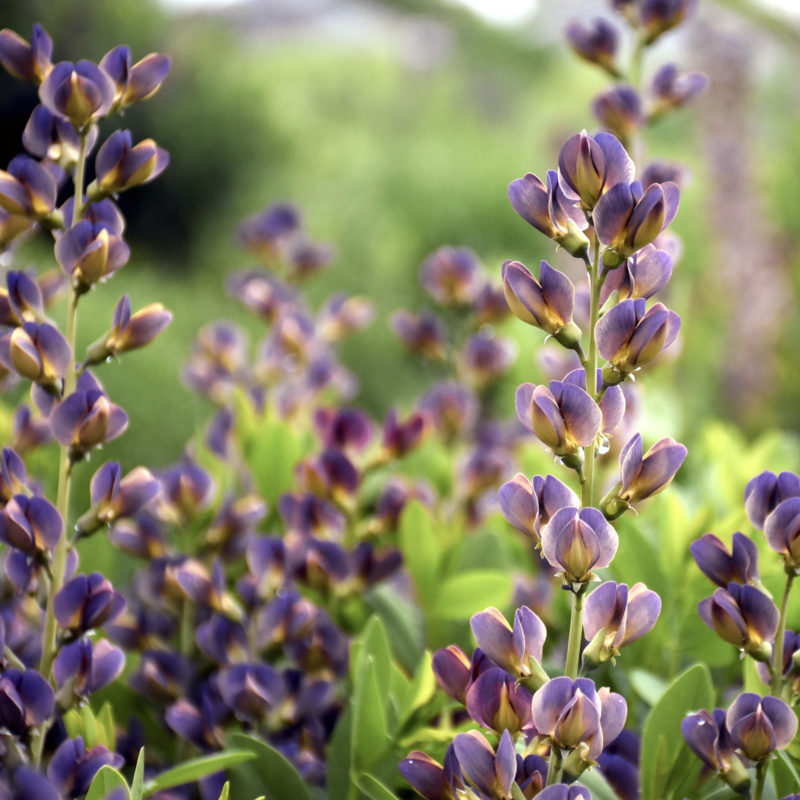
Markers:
point(662, 743)
point(787, 778)
point(421, 550)
point(268, 773)
point(337, 756)
point(594, 781)
point(106, 781)
point(105, 723)
point(403, 623)
point(370, 729)
point(648, 686)
point(190, 771)
point(137, 784)
point(374, 789)
point(466, 593)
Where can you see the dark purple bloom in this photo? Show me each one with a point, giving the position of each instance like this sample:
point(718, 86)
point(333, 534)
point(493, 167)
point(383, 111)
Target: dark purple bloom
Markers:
point(87, 668)
point(82, 93)
point(612, 402)
point(130, 331)
point(765, 492)
point(27, 431)
point(426, 776)
point(619, 110)
point(24, 297)
point(52, 137)
point(627, 217)
point(496, 700)
point(577, 541)
point(709, 740)
point(519, 505)
point(267, 231)
point(222, 640)
point(330, 475)
point(672, 88)
point(87, 418)
point(782, 529)
point(90, 252)
point(452, 276)
point(489, 772)
point(134, 82)
point(641, 276)
point(545, 303)
point(619, 765)
point(195, 724)
point(31, 62)
point(629, 336)
point(575, 714)
point(512, 649)
point(760, 725)
point(73, 767)
point(30, 524)
point(235, 523)
point(26, 700)
point(742, 616)
point(615, 616)
point(791, 644)
point(13, 476)
point(400, 437)
point(27, 189)
point(452, 669)
point(490, 306)
point(549, 210)
point(251, 691)
point(720, 565)
point(596, 42)
point(162, 675)
point(658, 16)
point(423, 333)
point(562, 415)
point(187, 488)
point(120, 165)
point(87, 601)
point(28, 784)
point(309, 515)
point(591, 165)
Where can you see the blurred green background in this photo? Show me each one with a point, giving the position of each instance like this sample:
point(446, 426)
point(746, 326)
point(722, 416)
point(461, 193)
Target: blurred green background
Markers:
point(396, 127)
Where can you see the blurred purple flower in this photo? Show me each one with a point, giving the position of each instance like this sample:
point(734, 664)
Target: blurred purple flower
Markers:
point(452, 276)
point(27, 188)
point(619, 110)
point(596, 42)
point(86, 602)
point(29, 61)
point(72, 767)
point(120, 165)
point(134, 82)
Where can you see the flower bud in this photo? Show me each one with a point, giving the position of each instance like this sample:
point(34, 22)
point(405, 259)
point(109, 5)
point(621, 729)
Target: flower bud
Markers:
point(37, 352)
point(85, 602)
point(619, 110)
point(596, 43)
point(31, 62)
point(90, 253)
point(120, 165)
point(721, 566)
point(81, 93)
point(137, 82)
point(517, 651)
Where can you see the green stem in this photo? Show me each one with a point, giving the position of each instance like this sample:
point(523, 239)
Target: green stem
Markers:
point(777, 653)
point(761, 776)
point(590, 370)
point(575, 631)
point(60, 552)
point(554, 765)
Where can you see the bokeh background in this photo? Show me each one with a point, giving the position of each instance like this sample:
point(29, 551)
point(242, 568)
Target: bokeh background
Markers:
point(396, 126)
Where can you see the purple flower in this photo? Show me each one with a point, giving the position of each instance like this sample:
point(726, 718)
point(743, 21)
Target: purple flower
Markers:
point(563, 416)
point(643, 475)
point(791, 645)
point(485, 356)
point(619, 765)
point(782, 529)
point(577, 541)
point(575, 715)
point(742, 616)
point(596, 42)
point(423, 333)
point(519, 505)
point(641, 276)
point(591, 165)
point(24, 298)
point(120, 165)
point(490, 772)
point(452, 408)
point(82, 93)
point(629, 337)
point(627, 217)
point(612, 402)
point(765, 492)
point(615, 616)
point(251, 691)
point(760, 725)
point(722, 566)
point(26, 700)
point(659, 16)
point(72, 767)
point(519, 650)
point(90, 252)
point(87, 668)
point(496, 700)
point(31, 62)
point(550, 211)
point(13, 476)
point(708, 738)
point(452, 276)
point(136, 82)
point(546, 304)
point(30, 524)
point(27, 189)
point(187, 489)
point(620, 111)
point(129, 331)
point(426, 776)
point(85, 602)
point(260, 292)
point(672, 88)
point(452, 669)
point(400, 437)
point(342, 315)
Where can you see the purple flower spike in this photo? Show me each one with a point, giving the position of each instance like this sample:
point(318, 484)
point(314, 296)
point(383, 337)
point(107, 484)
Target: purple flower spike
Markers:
point(562, 416)
point(595, 42)
point(627, 217)
point(629, 337)
point(452, 669)
point(31, 62)
point(82, 93)
point(615, 616)
point(546, 304)
point(134, 82)
point(575, 715)
point(72, 767)
point(591, 165)
point(518, 650)
point(452, 276)
point(722, 566)
point(27, 189)
point(577, 542)
point(120, 165)
point(26, 700)
point(641, 276)
point(426, 776)
point(765, 492)
point(550, 211)
point(561, 791)
point(488, 772)
point(760, 725)
point(619, 110)
point(612, 404)
point(519, 505)
point(742, 616)
point(86, 602)
point(30, 524)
